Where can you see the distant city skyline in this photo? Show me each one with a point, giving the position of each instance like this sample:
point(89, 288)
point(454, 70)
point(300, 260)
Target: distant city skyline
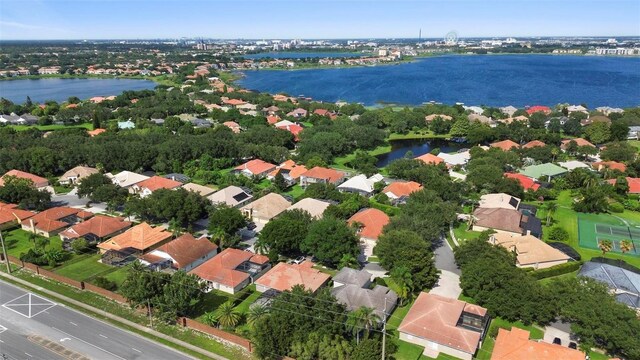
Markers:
point(308, 19)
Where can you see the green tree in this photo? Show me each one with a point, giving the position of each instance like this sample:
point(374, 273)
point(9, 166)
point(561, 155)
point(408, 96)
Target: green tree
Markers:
point(605, 246)
point(227, 219)
point(598, 132)
point(626, 246)
point(79, 245)
point(285, 233)
point(329, 239)
point(227, 316)
point(256, 312)
point(362, 320)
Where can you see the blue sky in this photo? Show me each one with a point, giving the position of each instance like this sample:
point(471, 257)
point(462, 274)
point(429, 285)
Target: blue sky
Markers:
point(139, 19)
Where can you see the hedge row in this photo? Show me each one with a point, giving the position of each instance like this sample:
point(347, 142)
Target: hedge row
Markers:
point(561, 269)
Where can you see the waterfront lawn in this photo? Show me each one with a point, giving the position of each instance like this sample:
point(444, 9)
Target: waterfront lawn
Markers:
point(87, 126)
point(420, 134)
point(342, 162)
point(84, 269)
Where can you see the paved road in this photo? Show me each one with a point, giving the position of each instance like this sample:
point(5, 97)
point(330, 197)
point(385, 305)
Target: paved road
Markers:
point(31, 325)
point(449, 282)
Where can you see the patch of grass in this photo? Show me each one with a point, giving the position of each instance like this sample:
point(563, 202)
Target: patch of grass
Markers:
point(399, 313)
point(19, 241)
point(85, 269)
point(243, 307)
point(295, 191)
point(559, 277)
point(325, 269)
point(421, 134)
point(407, 351)
point(535, 333)
point(87, 126)
point(118, 276)
point(342, 162)
point(462, 234)
point(373, 259)
point(59, 189)
point(210, 302)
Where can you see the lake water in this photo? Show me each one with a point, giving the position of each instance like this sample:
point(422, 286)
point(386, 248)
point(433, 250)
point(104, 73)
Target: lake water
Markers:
point(493, 80)
point(399, 149)
point(41, 90)
point(301, 55)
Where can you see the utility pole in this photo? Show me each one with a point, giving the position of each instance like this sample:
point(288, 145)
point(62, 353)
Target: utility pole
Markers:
point(4, 253)
point(384, 329)
point(150, 315)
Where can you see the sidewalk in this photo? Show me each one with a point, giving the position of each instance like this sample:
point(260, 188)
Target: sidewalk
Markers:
point(116, 318)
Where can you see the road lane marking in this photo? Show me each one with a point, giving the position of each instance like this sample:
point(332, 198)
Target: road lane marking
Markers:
point(103, 336)
point(29, 355)
point(88, 343)
point(134, 349)
point(2, 329)
point(29, 305)
point(72, 323)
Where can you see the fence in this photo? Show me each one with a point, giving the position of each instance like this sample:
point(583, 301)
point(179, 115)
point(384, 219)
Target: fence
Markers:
point(217, 333)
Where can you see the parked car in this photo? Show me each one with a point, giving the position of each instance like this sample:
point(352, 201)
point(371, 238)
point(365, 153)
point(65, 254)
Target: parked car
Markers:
point(299, 260)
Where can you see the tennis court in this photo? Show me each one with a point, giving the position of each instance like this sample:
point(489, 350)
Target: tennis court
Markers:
point(590, 234)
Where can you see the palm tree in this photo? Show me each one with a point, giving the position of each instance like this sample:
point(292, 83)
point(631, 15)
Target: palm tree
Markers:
point(227, 316)
point(218, 236)
point(605, 245)
point(554, 152)
point(403, 279)
point(551, 208)
point(362, 319)
point(261, 247)
point(174, 227)
point(256, 312)
point(210, 318)
point(626, 246)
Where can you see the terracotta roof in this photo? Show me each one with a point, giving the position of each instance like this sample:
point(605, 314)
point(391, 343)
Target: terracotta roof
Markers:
point(157, 182)
point(233, 102)
point(579, 142)
point(529, 249)
point(140, 237)
point(37, 180)
point(186, 249)
point(532, 144)
point(294, 129)
point(634, 184)
point(402, 188)
point(538, 108)
point(51, 219)
point(505, 145)
point(499, 219)
point(372, 220)
point(430, 159)
point(526, 182)
point(272, 119)
point(267, 207)
point(96, 132)
point(222, 267)
point(331, 175)
point(234, 126)
point(285, 276)
point(515, 345)
point(434, 318)
point(256, 167)
point(321, 112)
point(613, 165)
point(100, 226)
point(10, 213)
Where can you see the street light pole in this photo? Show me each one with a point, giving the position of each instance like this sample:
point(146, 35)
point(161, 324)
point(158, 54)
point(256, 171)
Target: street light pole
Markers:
point(384, 329)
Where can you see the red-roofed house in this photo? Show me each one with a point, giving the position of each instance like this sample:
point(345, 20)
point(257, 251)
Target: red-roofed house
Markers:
point(284, 277)
point(321, 175)
point(140, 239)
point(96, 132)
point(579, 142)
point(231, 270)
point(183, 253)
point(289, 170)
point(430, 159)
point(233, 102)
point(505, 145)
point(538, 108)
point(52, 221)
point(514, 344)
point(95, 229)
point(613, 165)
point(148, 186)
point(38, 182)
point(534, 143)
point(255, 167)
point(444, 325)
point(634, 184)
point(234, 126)
point(11, 215)
point(298, 113)
point(370, 223)
point(294, 129)
point(324, 112)
point(398, 191)
point(526, 182)
point(272, 119)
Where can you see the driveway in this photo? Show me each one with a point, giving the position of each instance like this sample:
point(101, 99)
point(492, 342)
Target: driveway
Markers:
point(71, 199)
point(449, 282)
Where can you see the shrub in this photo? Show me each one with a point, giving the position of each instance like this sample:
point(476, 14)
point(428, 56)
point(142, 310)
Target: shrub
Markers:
point(105, 283)
point(557, 270)
point(558, 234)
point(79, 245)
point(616, 207)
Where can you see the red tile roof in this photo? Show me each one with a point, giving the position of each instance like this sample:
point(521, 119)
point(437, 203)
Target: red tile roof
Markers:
point(402, 188)
point(331, 175)
point(256, 167)
point(294, 129)
point(526, 182)
point(51, 219)
point(505, 145)
point(233, 102)
point(272, 119)
point(157, 182)
point(434, 318)
point(634, 184)
point(186, 249)
point(37, 180)
point(222, 267)
point(234, 126)
point(284, 277)
point(372, 222)
point(613, 165)
point(100, 226)
point(538, 108)
point(10, 213)
point(140, 237)
point(430, 159)
point(579, 142)
point(515, 345)
point(534, 143)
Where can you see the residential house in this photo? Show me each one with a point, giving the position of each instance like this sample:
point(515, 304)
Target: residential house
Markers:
point(481, 119)
point(474, 109)
point(39, 183)
point(139, 239)
point(75, 175)
point(198, 189)
point(429, 118)
point(514, 344)
point(11, 215)
point(577, 108)
point(369, 222)
point(182, 253)
point(520, 118)
point(289, 170)
point(96, 132)
point(526, 182)
point(634, 133)
point(546, 171)
point(509, 110)
point(460, 158)
point(594, 119)
point(52, 221)
point(315, 208)
point(255, 167)
point(264, 209)
point(321, 175)
point(612, 165)
point(534, 143)
point(298, 113)
point(126, 179)
point(430, 159)
point(126, 125)
point(13, 119)
point(352, 289)
point(231, 270)
point(233, 102)
point(177, 177)
point(232, 196)
point(283, 277)
point(361, 184)
point(505, 145)
point(529, 250)
point(146, 187)
point(399, 191)
point(579, 142)
point(606, 110)
point(273, 119)
point(624, 284)
point(234, 126)
point(506, 220)
point(294, 129)
point(538, 108)
point(443, 325)
point(200, 123)
point(95, 230)
point(499, 201)
point(633, 183)
point(573, 164)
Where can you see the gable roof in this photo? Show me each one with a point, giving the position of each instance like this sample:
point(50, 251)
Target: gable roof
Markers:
point(505, 145)
point(514, 344)
point(613, 165)
point(459, 158)
point(314, 207)
point(157, 182)
point(372, 221)
point(140, 237)
point(361, 183)
point(330, 175)
point(529, 249)
point(51, 219)
point(231, 195)
point(430, 159)
point(222, 267)
point(349, 276)
point(634, 184)
point(499, 200)
point(538, 108)
point(79, 172)
point(534, 143)
point(10, 213)
point(434, 318)
point(126, 178)
point(200, 189)
point(573, 164)
point(402, 188)
point(35, 179)
point(294, 129)
point(526, 182)
point(186, 249)
point(499, 219)
point(100, 226)
point(283, 277)
point(255, 167)
point(540, 170)
point(268, 206)
point(579, 142)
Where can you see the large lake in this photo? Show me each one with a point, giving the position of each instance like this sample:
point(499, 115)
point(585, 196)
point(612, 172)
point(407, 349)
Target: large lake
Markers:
point(59, 90)
point(301, 55)
point(493, 80)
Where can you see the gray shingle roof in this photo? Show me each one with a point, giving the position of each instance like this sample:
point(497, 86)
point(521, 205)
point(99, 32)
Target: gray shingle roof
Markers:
point(616, 278)
point(354, 297)
point(352, 277)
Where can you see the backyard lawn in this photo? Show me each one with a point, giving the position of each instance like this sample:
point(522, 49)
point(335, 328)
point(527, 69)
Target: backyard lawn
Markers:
point(18, 241)
point(462, 234)
point(243, 307)
point(85, 268)
point(118, 276)
point(210, 302)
